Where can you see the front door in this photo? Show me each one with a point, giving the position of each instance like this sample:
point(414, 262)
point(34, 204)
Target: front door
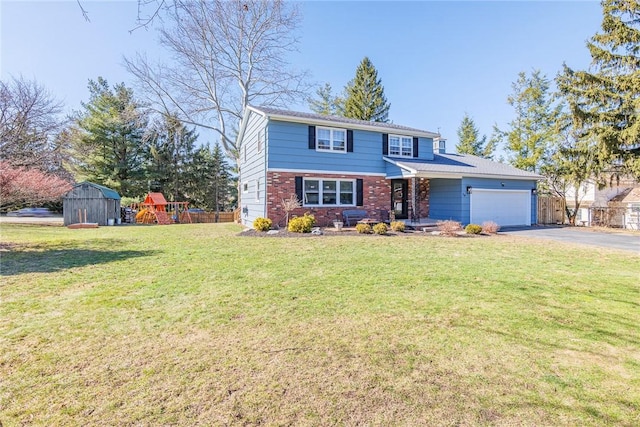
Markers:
point(399, 202)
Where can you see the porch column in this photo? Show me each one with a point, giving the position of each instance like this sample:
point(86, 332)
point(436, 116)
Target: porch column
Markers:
point(415, 206)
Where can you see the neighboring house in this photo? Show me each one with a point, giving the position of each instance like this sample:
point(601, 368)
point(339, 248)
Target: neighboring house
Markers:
point(599, 205)
point(334, 164)
point(627, 203)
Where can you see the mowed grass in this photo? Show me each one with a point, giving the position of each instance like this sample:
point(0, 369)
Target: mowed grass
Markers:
point(195, 325)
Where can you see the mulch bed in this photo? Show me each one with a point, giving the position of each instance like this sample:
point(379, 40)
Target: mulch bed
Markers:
point(250, 232)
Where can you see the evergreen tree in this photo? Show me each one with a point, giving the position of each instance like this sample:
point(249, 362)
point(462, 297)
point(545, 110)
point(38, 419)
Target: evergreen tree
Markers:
point(212, 186)
point(170, 156)
point(365, 99)
point(533, 130)
point(108, 145)
point(327, 104)
point(605, 103)
point(469, 141)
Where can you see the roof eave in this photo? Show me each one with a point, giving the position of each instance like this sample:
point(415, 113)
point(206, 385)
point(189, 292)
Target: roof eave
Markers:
point(424, 174)
point(329, 122)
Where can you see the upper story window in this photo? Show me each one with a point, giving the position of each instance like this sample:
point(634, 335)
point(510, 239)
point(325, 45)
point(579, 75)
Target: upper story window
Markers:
point(328, 139)
point(400, 146)
point(329, 192)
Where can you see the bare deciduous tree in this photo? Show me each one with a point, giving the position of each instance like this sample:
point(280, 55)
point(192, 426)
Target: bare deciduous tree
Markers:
point(226, 55)
point(29, 122)
point(289, 205)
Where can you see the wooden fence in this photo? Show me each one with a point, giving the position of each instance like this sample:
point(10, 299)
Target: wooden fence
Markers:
point(550, 210)
point(208, 217)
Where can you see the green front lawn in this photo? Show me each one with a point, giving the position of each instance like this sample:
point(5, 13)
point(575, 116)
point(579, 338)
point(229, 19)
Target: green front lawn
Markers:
point(192, 324)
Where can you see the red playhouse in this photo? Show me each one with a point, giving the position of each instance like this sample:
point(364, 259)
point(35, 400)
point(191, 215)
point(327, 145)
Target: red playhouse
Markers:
point(156, 210)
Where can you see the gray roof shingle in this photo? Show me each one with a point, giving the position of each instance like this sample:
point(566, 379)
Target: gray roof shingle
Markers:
point(271, 111)
point(463, 164)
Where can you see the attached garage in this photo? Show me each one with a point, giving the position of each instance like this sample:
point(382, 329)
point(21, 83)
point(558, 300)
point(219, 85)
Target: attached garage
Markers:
point(504, 207)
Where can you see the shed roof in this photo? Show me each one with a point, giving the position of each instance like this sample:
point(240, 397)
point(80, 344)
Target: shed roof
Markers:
point(108, 193)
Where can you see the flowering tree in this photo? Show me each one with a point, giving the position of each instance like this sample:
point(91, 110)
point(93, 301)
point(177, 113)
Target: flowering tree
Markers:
point(23, 186)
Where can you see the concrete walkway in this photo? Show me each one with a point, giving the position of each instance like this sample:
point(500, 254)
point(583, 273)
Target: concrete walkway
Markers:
point(627, 241)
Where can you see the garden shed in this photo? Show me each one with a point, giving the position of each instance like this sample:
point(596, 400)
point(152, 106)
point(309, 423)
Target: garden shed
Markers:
point(89, 202)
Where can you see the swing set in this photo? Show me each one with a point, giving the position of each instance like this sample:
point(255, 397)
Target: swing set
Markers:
point(156, 210)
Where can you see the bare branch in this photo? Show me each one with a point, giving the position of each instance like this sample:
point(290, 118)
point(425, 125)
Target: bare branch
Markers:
point(226, 55)
point(84, 12)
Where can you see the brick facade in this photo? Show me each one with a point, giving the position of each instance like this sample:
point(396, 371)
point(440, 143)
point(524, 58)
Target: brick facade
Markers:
point(421, 197)
point(281, 185)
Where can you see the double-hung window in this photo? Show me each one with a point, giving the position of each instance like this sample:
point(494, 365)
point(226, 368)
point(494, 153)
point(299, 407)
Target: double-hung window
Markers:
point(329, 192)
point(328, 139)
point(400, 146)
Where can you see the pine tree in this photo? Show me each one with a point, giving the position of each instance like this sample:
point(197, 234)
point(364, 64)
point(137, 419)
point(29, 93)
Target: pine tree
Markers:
point(170, 154)
point(108, 144)
point(212, 186)
point(327, 104)
point(605, 103)
point(533, 130)
point(365, 99)
point(469, 141)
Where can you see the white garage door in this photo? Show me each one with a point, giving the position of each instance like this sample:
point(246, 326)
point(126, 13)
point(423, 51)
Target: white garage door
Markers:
point(504, 207)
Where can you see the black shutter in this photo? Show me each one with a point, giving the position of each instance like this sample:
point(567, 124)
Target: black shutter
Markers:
point(359, 193)
point(299, 188)
point(385, 144)
point(312, 137)
point(349, 141)
point(415, 147)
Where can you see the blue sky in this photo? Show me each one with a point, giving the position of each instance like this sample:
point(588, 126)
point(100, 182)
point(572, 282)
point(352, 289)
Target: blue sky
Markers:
point(437, 60)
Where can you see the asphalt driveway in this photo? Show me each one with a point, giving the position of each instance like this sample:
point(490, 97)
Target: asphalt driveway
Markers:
point(582, 236)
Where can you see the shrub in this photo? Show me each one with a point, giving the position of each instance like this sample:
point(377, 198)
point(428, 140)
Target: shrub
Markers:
point(490, 227)
point(397, 226)
point(301, 224)
point(449, 228)
point(262, 224)
point(380, 228)
point(363, 228)
point(473, 229)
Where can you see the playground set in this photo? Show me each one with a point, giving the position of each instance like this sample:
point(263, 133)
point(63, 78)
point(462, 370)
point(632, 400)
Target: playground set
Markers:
point(156, 210)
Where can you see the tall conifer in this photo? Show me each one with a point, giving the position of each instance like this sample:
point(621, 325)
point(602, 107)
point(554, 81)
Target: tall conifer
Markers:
point(365, 98)
point(605, 103)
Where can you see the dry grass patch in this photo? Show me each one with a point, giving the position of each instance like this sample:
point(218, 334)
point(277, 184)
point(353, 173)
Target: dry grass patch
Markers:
point(199, 326)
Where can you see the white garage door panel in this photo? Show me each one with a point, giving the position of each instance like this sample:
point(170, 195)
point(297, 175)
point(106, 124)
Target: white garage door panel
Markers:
point(504, 207)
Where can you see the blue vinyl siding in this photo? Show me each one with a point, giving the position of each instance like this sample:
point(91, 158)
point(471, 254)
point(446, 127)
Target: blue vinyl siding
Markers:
point(448, 198)
point(253, 170)
point(445, 199)
point(497, 184)
point(289, 149)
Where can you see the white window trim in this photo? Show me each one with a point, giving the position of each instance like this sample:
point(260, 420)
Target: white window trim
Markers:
point(400, 137)
point(320, 194)
point(257, 190)
point(260, 140)
point(331, 149)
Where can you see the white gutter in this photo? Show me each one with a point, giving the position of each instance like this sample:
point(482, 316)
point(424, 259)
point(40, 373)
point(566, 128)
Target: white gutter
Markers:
point(333, 123)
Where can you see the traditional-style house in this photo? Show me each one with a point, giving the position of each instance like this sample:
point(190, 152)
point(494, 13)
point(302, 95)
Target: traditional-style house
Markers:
point(335, 164)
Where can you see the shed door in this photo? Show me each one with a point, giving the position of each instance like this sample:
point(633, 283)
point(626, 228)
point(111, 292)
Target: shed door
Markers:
point(504, 207)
